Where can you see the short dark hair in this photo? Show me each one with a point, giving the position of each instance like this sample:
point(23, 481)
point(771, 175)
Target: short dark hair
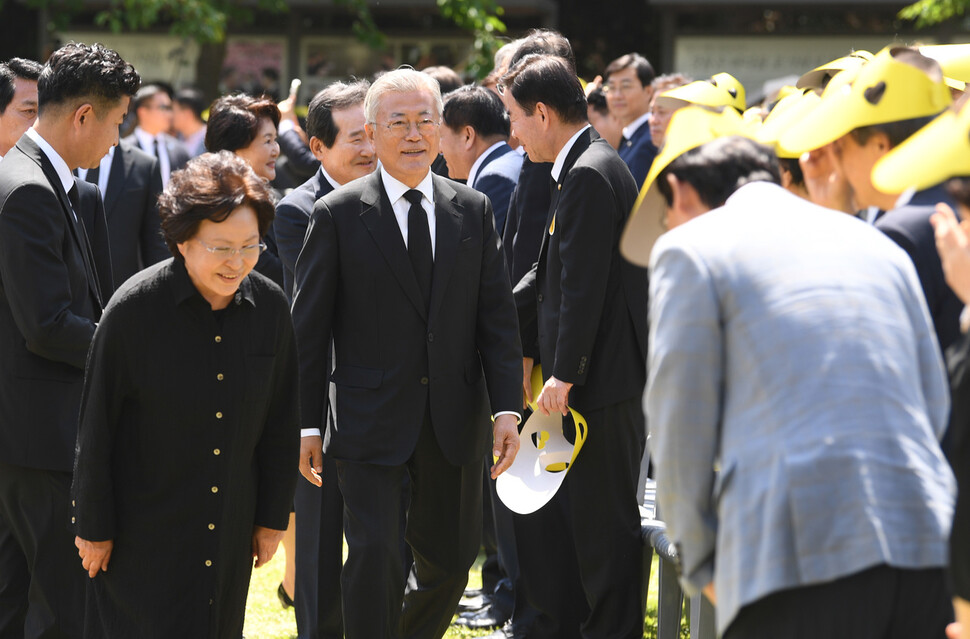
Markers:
point(478, 108)
point(78, 72)
point(192, 100)
point(597, 100)
point(550, 80)
point(897, 131)
point(447, 78)
point(635, 61)
point(12, 70)
point(720, 167)
point(234, 121)
point(547, 42)
point(794, 167)
point(337, 96)
point(211, 187)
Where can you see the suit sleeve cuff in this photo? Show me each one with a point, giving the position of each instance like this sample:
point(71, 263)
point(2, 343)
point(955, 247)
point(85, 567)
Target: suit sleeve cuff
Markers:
point(518, 416)
point(310, 432)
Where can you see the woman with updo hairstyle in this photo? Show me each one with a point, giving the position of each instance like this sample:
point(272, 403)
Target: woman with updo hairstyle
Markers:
point(247, 126)
point(189, 421)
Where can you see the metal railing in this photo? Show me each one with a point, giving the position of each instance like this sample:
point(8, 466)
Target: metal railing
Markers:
point(670, 600)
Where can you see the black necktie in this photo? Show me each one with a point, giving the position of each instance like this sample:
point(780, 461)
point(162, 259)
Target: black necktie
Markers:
point(75, 198)
point(155, 147)
point(419, 244)
point(93, 174)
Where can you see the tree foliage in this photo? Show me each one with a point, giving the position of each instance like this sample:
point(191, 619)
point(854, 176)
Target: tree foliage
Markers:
point(207, 21)
point(480, 17)
point(930, 12)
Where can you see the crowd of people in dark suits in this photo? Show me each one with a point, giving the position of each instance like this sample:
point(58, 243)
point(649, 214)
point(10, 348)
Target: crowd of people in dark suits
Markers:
point(222, 334)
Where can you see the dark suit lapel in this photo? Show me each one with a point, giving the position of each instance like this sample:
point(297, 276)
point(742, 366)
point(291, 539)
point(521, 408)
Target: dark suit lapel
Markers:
point(321, 186)
point(579, 147)
point(447, 235)
point(377, 214)
point(491, 157)
point(30, 148)
point(117, 178)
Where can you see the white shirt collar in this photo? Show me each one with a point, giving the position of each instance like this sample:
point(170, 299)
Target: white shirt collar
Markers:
point(332, 181)
point(145, 139)
point(396, 189)
point(905, 197)
point(631, 128)
point(563, 152)
point(104, 170)
point(60, 166)
point(473, 172)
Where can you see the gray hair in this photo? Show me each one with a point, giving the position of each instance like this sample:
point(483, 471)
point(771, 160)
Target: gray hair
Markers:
point(402, 80)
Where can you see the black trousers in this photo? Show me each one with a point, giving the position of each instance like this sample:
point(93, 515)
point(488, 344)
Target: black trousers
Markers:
point(877, 603)
point(590, 528)
point(443, 530)
point(319, 556)
point(41, 579)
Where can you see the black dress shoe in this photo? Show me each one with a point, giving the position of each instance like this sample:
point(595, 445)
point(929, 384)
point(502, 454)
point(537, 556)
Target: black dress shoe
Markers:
point(510, 631)
point(474, 604)
point(284, 598)
point(485, 618)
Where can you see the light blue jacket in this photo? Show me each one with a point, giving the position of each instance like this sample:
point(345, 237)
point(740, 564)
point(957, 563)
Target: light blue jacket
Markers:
point(795, 399)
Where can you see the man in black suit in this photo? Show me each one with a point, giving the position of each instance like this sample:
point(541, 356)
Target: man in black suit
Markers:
point(404, 269)
point(153, 110)
point(130, 182)
point(335, 124)
point(586, 307)
point(18, 100)
point(50, 300)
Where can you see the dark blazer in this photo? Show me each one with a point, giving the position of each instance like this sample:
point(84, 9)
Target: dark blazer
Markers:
point(592, 333)
point(526, 220)
point(496, 178)
point(395, 359)
point(92, 215)
point(300, 159)
point(131, 210)
point(909, 226)
point(638, 152)
point(49, 303)
point(292, 218)
point(178, 155)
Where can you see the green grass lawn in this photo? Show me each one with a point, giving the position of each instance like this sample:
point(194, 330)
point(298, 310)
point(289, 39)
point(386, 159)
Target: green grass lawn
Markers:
point(266, 619)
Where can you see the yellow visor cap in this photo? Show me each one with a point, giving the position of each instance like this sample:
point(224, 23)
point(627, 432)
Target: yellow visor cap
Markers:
point(786, 113)
point(884, 90)
point(819, 77)
point(689, 128)
point(954, 59)
point(699, 93)
point(734, 88)
point(937, 152)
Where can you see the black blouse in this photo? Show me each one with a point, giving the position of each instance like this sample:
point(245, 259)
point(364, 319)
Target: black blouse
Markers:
point(189, 436)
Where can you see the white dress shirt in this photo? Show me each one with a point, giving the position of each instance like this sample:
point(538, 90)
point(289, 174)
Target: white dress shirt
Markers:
point(563, 152)
point(60, 166)
point(103, 170)
point(147, 143)
point(395, 192)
